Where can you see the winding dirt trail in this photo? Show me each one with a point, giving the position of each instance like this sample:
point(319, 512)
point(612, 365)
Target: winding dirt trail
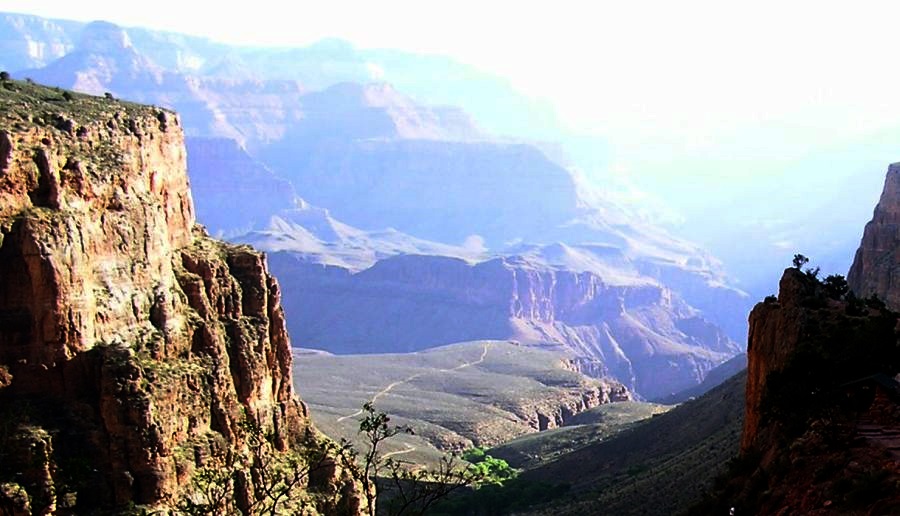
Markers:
point(382, 392)
point(409, 448)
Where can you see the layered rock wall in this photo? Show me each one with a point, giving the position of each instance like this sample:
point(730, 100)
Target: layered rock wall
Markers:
point(134, 347)
point(641, 333)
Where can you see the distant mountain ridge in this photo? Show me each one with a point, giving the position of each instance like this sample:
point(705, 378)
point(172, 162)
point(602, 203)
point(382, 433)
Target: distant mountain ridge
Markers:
point(353, 175)
point(632, 329)
point(31, 42)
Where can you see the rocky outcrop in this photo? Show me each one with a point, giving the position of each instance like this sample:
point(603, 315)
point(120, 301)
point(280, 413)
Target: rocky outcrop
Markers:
point(821, 405)
point(876, 267)
point(134, 349)
point(559, 413)
point(802, 447)
point(632, 329)
point(775, 333)
point(804, 344)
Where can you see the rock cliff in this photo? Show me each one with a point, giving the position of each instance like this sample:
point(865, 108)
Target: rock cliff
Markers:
point(134, 349)
point(776, 329)
point(811, 402)
point(630, 328)
point(876, 267)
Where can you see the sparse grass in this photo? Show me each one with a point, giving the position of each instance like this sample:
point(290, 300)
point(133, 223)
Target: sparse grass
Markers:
point(450, 405)
point(29, 104)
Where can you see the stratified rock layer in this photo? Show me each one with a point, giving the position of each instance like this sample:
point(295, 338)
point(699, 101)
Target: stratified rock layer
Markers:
point(876, 267)
point(132, 346)
point(639, 332)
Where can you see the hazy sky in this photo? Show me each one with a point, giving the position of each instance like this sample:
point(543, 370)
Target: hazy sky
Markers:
point(688, 74)
point(720, 90)
point(766, 114)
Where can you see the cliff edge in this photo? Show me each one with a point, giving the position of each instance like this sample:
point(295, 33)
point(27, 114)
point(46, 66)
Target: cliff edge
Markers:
point(134, 349)
point(822, 411)
point(876, 266)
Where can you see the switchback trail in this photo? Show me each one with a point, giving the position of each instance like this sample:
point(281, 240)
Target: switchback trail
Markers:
point(390, 386)
point(409, 448)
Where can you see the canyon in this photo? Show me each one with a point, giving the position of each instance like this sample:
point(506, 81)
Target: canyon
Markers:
point(633, 330)
point(319, 164)
point(474, 285)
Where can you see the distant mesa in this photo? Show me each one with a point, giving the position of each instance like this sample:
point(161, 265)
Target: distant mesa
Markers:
point(102, 37)
point(412, 302)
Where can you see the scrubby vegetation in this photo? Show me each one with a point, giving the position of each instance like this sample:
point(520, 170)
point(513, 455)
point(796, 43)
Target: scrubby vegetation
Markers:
point(25, 102)
point(260, 481)
point(459, 396)
point(405, 488)
point(278, 481)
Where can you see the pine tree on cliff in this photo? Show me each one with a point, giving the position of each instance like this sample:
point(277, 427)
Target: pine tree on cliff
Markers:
point(799, 261)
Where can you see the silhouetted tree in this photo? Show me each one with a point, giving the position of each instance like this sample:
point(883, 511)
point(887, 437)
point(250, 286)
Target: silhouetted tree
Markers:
point(800, 261)
point(836, 286)
point(4, 76)
point(412, 490)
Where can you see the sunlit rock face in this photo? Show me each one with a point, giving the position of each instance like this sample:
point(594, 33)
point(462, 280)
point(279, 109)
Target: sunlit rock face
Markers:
point(131, 344)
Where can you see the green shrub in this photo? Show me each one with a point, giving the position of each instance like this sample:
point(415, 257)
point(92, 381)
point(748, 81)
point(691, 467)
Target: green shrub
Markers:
point(474, 455)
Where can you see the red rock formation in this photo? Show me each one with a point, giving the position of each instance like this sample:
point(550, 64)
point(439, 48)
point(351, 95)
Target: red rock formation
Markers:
point(803, 449)
point(132, 346)
point(775, 330)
